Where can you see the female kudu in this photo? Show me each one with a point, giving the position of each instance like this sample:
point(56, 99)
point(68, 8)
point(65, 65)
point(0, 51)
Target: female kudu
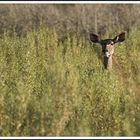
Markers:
point(107, 47)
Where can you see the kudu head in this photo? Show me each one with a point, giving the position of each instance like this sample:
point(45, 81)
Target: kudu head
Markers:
point(107, 47)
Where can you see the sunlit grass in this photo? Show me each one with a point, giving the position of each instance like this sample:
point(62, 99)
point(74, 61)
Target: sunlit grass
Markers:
point(54, 88)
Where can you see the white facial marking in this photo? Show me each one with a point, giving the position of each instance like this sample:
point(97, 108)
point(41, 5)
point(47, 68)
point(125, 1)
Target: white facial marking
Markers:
point(111, 42)
point(107, 54)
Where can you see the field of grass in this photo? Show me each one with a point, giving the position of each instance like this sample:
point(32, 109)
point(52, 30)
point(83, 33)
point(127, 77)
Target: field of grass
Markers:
point(54, 88)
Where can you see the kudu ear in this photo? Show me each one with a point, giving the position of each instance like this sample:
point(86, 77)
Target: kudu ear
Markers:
point(94, 38)
point(120, 38)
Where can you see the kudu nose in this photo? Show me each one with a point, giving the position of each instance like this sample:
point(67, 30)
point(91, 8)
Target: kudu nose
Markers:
point(107, 54)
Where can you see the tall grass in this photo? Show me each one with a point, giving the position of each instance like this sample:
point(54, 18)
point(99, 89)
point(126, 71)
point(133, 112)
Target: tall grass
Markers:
point(54, 88)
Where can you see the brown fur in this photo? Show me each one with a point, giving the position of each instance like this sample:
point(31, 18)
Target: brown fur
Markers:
point(107, 47)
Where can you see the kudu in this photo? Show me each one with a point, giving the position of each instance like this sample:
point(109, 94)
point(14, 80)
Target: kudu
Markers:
point(107, 47)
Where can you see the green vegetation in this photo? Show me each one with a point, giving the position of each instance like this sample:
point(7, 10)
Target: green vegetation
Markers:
point(54, 88)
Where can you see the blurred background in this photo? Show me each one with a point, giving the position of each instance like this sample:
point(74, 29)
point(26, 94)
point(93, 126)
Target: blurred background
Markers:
point(80, 18)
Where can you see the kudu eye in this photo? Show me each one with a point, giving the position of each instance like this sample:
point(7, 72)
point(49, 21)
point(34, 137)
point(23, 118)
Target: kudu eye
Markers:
point(112, 43)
